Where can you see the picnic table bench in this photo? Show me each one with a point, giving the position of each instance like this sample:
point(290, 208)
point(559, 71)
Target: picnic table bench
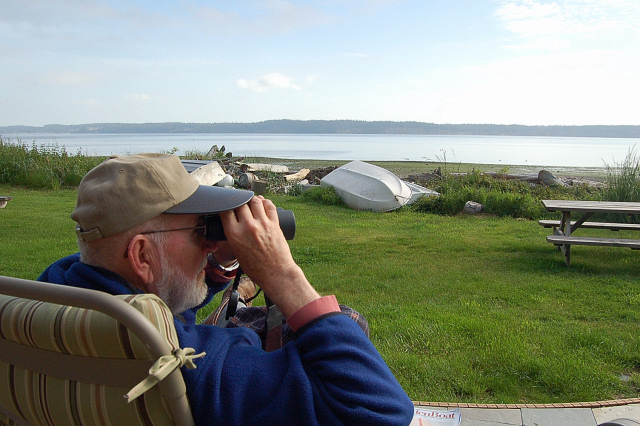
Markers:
point(4, 199)
point(612, 226)
point(563, 229)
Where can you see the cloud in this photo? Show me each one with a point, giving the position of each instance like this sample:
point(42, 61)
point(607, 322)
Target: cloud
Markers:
point(89, 102)
point(71, 78)
point(562, 88)
point(138, 97)
point(268, 82)
point(552, 24)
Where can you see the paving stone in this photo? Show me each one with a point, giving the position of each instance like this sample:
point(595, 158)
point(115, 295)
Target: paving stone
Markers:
point(558, 417)
point(536, 416)
point(490, 417)
point(606, 414)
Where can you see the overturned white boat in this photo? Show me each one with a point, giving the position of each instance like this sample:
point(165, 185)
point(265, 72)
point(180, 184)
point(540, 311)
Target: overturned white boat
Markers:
point(364, 186)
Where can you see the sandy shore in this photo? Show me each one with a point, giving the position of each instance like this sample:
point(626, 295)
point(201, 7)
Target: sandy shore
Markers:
point(406, 168)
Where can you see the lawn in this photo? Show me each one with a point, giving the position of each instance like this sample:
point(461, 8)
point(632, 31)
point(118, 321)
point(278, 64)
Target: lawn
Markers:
point(463, 309)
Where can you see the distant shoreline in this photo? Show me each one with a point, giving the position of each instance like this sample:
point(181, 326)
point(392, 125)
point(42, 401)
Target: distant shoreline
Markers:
point(336, 127)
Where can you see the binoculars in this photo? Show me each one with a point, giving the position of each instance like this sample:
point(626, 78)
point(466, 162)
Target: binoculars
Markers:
point(215, 232)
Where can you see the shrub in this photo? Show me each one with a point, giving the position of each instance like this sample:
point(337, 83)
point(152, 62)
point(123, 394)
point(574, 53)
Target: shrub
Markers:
point(623, 180)
point(501, 197)
point(323, 195)
point(623, 183)
point(49, 167)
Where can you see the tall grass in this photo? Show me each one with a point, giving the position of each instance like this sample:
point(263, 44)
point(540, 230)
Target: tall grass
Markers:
point(623, 184)
point(52, 167)
point(501, 197)
point(48, 167)
point(623, 179)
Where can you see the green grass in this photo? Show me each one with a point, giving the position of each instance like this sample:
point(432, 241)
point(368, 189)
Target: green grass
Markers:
point(35, 229)
point(468, 309)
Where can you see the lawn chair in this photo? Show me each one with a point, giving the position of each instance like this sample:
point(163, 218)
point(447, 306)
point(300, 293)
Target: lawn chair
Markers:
point(72, 356)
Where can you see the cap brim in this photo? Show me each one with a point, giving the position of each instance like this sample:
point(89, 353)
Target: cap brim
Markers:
point(212, 199)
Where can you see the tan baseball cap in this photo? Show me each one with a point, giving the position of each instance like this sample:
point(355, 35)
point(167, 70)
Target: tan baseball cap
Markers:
point(124, 192)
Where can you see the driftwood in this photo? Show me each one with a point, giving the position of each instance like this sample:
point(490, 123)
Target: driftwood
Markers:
point(298, 175)
point(261, 167)
point(509, 176)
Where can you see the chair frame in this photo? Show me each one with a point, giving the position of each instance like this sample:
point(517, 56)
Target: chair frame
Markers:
point(172, 387)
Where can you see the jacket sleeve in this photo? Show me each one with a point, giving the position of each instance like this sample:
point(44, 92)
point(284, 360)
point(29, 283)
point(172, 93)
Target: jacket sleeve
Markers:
point(331, 374)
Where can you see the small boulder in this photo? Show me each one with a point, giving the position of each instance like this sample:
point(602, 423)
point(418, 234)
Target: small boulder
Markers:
point(471, 207)
point(548, 179)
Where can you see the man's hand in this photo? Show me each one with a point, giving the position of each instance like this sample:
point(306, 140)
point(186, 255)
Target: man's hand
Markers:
point(255, 237)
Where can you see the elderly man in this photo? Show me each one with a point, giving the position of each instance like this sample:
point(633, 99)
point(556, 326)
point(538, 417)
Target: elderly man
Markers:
point(141, 229)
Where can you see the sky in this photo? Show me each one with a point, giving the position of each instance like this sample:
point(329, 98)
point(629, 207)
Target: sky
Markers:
point(530, 62)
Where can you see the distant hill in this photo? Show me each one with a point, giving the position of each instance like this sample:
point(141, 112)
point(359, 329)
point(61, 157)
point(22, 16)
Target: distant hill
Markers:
point(336, 127)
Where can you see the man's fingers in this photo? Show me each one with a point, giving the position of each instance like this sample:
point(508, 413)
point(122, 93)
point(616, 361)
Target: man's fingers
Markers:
point(263, 209)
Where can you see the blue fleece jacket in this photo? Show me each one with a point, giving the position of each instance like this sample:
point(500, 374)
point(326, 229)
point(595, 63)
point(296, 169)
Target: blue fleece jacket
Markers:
point(330, 374)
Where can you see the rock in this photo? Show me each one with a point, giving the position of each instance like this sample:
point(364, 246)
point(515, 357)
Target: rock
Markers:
point(548, 179)
point(471, 207)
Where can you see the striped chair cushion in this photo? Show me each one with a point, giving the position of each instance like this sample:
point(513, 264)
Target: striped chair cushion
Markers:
point(54, 398)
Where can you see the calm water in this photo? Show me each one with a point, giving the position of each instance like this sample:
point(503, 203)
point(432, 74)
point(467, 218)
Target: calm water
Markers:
point(508, 150)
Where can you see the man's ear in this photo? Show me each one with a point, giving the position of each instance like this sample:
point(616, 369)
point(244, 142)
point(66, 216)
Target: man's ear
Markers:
point(143, 256)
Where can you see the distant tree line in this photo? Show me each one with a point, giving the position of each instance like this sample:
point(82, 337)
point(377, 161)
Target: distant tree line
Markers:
point(336, 127)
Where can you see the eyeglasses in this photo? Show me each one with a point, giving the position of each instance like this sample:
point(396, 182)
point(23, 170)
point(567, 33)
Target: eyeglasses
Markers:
point(201, 230)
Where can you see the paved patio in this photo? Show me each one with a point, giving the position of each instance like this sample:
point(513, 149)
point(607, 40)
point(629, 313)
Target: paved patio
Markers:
point(543, 414)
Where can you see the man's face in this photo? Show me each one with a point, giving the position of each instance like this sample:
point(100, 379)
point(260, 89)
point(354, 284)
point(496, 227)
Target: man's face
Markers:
point(183, 257)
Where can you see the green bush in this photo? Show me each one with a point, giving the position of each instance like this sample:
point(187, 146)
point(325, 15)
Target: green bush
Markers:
point(48, 167)
point(323, 195)
point(501, 197)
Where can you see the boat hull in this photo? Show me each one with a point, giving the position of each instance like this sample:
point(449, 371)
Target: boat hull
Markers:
point(364, 186)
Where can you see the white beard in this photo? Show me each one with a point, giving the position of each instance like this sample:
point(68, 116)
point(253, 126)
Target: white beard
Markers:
point(177, 290)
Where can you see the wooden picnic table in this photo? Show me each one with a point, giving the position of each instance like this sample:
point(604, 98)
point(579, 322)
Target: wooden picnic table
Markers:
point(564, 228)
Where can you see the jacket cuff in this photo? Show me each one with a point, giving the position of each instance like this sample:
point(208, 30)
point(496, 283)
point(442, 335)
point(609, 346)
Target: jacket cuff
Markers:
point(313, 310)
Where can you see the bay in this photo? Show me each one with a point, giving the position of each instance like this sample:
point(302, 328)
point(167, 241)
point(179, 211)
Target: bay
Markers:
point(505, 150)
